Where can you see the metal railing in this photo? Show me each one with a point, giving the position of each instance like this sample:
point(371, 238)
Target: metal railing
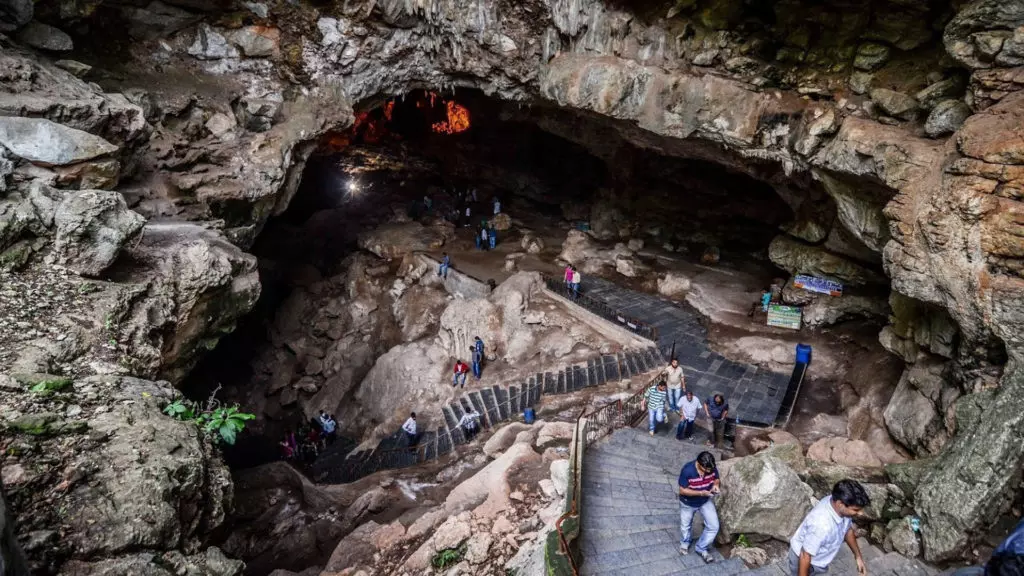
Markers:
point(634, 325)
point(590, 427)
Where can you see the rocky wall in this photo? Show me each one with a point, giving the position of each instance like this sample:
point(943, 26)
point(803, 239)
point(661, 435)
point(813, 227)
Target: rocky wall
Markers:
point(201, 123)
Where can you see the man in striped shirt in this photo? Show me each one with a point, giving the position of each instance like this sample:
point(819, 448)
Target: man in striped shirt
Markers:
point(654, 402)
point(698, 482)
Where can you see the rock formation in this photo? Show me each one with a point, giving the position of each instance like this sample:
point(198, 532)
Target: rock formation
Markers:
point(133, 194)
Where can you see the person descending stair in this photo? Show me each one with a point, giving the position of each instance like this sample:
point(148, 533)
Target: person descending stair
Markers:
point(820, 536)
point(470, 424)
point(698, 483)
point(410, 432)
point(654, 403)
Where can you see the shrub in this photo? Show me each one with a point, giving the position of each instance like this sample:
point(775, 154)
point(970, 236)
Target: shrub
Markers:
point(218, 423)
point(448, 557)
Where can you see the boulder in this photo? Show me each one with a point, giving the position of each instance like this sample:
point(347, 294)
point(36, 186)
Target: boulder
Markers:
point(826, 310)
point(211, 45)
point(860, 82)
point(946, 118)
point(501, 222)
point(949, 88)
point(560, 475)
point(256, 41)
point(752, 556)
point(916, 413)
point(762, 495)
point(477, 547)
point(45, 37)
point(901, 538)
point(552, 431)
point(503, 438)
point(532, 243)
point(871, 56)
point(15, 13)
point(258, 113)
point(50, 144)
point(844, 451)
point(403, 378)
point(396, 240)
point(673, 285)
point(627, 266)
point(893, 103)
point(91, 227)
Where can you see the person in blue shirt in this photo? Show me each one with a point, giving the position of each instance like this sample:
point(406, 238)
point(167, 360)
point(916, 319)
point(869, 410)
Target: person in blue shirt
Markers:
point(492, 237)
point(698, 482)
point(477, 350)
point(446, 263)
point(1007, 559)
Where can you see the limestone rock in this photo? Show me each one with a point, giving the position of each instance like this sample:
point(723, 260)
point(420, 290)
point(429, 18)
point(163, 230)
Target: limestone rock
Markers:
point(45, 37)
point(893, 103)
point(946, 118)
point(560, 475)
point(552, 431)
point(949, 88)
point(860, 82)
point(916, 414)
point(901, 538)
point(799, 258)
point(825, 310)
point(396, 240)
point(258, 113)
point(501, 222)
point(48, 143)
point(503, 438)
point(844, 451)
point(91, 227)
point(404, 376)
point(627, 266)
point(752, 556)
point(211, 45)
point(761, 495)
point(871, 56)
point(256, 41)
point(477, 548)
point(673, 285)
point(532, 243)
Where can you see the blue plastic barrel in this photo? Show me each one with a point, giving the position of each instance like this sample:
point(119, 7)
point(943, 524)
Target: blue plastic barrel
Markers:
point(528, 415)
point(803, 353)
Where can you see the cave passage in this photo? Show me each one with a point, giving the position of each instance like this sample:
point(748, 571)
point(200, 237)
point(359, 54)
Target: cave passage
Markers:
point(440, 146)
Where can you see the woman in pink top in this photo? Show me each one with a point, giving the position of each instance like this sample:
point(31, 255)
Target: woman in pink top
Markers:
point(568, 275)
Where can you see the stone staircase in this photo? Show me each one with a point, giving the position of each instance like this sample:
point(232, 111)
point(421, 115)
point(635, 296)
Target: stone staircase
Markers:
point(630, 516)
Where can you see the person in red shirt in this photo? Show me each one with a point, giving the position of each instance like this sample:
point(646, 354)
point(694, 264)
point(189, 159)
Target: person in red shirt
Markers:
point(461, 368)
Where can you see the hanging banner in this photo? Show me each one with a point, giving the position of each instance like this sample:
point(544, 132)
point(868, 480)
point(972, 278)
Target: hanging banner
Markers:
point(784, 316)
point(819, 285)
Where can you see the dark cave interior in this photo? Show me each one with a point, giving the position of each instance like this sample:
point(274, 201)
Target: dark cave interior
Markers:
point(425, 144)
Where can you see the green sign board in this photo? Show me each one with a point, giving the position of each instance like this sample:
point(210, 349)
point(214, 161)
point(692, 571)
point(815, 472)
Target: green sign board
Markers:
point(784, 316)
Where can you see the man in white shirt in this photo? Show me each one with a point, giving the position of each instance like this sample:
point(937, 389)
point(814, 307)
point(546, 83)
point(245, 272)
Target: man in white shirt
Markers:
point(469, 425)
point(690, 407)
point(817, 541)
point(676, 384)
point(410, 431)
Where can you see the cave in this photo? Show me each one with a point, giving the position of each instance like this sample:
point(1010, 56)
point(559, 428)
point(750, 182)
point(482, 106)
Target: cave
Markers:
point(218, 219)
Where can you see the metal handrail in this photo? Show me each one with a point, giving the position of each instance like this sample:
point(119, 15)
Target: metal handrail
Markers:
point(634, 325)
point(624, 412)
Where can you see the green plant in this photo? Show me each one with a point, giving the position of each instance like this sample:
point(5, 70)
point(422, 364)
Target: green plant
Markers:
point(219, 423)
point(448, 557)
point(742, 542)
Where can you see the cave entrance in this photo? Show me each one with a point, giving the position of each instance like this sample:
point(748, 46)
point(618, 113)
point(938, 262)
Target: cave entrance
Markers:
point(421, 158)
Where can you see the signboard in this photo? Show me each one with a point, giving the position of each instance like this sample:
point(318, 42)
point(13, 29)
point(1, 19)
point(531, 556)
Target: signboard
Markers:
point(784, 316)
point(819, 285)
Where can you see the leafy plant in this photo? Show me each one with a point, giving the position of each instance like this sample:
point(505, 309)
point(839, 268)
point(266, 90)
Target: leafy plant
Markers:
point(226, 422)
point(219, 423)
point(742, 542)
point(448, 557)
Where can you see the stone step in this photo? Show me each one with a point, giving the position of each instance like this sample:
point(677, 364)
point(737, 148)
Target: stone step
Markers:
point(501, 399)
point(513, 399)
point(493, 415)
point(550, 384)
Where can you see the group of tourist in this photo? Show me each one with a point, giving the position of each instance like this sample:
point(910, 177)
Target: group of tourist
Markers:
point(310, 439)
point(486, 237)
point(572, 280)
point(670, 395)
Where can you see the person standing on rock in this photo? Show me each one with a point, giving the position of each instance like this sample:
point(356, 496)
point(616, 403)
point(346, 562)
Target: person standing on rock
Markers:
point(576, 279)
point(478, 356)
point(446, 263)
point(690, 407)
point(409, 428)
point(497, 206)
point(820, 536)
point(461, 369)
point(698, 482)
point(484, 238)
point(654, 403)
point(676, 384)
point(492, 237)
point(717, 410)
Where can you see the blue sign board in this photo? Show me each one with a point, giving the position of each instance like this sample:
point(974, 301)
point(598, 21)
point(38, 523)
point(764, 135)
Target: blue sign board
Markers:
point(819, 285)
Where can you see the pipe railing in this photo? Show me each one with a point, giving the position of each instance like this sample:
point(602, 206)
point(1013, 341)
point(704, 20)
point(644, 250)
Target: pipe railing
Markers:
point(634, 325)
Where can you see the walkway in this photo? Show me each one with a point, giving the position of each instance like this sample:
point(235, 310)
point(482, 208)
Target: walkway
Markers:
point(755, 395)
point(631, 516)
